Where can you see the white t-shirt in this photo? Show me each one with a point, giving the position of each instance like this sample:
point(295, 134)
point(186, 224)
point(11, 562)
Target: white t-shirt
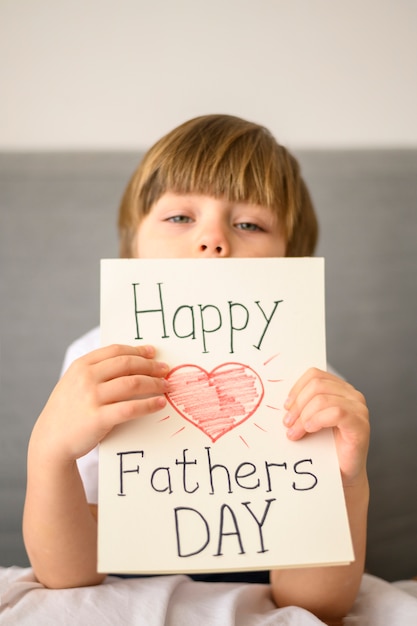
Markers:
point(88, 464)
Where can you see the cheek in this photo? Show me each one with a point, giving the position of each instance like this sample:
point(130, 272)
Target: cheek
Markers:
point(281, 246)
point(143, 241)
point(150, 246)
point(282, 249)
point(276, 249)
point(136, 245)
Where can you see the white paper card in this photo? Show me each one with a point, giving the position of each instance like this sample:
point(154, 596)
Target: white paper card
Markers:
point(211, 482)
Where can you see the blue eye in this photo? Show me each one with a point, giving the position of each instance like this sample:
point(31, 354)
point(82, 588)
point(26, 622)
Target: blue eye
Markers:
point(248, 226)
point(179, 219)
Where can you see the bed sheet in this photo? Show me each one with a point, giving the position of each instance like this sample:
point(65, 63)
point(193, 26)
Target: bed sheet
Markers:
point(178, 601)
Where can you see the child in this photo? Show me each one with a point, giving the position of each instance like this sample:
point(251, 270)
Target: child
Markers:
point(216, 186)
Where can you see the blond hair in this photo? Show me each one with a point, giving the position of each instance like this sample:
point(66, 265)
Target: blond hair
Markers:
point(225, 157)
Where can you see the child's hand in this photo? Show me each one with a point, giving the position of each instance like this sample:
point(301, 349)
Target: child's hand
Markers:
point(321, 400)
point(104, 388)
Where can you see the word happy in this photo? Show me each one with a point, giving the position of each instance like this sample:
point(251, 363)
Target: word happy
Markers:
point(198, 322)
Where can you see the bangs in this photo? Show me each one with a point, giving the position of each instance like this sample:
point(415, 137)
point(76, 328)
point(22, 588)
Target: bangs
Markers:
point(237, 165)
point(239, 174)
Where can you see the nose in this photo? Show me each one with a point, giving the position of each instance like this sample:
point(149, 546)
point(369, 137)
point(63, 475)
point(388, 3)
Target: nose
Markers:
point(214, 244)
point(216, 250)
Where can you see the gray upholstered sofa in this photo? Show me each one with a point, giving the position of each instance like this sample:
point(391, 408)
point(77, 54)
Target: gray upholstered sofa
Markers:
point(57, 219)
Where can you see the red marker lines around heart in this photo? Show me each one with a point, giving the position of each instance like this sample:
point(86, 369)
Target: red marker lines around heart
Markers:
point(216, 401)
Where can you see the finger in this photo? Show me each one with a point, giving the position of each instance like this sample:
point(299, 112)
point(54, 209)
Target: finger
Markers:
point(313, 384)
point(309, 375)
point(329, 412)
point(131, 387)
point(129, 365)
point(120, 412)
point(108, 352)
point(302, 381)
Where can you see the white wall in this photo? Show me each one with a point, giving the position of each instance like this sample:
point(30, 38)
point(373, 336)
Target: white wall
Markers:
point(98, 74)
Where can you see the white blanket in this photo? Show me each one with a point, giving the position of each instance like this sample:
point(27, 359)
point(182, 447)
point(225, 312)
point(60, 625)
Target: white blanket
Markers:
point(179, 601)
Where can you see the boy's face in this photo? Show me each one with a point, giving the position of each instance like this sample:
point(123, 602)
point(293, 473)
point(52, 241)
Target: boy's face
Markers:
point(192, 226)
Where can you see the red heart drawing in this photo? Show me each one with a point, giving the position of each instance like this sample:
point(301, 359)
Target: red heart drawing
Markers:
point(216, 401)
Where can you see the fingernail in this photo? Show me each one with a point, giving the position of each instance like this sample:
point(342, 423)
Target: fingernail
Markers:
point(288, 419)
point(290, 433)
point(287, 403)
